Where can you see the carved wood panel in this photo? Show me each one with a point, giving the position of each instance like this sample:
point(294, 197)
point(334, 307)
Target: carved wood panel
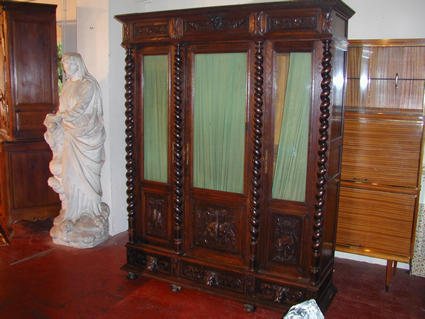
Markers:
point(212, 277)
point(158, 29)
point(216, 22)
point(216, 228)
point(156, 215)
point(286, 238)
point(280, 294)
point(29, 171)
point(151, 262)
point(292, 23)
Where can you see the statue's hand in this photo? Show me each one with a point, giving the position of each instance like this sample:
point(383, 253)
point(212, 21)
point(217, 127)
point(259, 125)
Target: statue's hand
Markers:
point(51, 120)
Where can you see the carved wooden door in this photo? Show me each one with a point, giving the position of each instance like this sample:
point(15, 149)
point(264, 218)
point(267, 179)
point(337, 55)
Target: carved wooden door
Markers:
point(153, 122)
point(218, 147)
point(286, 217)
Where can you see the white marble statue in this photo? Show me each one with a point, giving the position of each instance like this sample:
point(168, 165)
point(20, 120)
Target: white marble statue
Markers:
point(76, 136)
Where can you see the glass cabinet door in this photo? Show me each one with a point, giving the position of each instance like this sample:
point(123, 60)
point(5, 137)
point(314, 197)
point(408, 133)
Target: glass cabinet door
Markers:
point(155, 117)
point(219, 115)
point(291, 116)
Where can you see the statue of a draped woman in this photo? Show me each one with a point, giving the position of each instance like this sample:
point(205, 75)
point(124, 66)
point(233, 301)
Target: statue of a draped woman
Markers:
point(76, 136)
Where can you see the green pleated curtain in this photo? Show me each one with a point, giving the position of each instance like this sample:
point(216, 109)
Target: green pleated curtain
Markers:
point(155, 117)
point(220, 99)
point(292, 105)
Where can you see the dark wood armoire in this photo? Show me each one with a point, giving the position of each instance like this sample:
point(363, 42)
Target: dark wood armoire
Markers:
point(28, 91)
point(234, 139)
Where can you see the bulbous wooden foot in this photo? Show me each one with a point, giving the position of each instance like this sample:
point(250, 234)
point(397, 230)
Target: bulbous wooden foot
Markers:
point(175, 288)
point(132, 276)
point(249, 308)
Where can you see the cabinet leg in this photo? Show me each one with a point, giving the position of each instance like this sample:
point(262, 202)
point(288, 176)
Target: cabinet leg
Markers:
point(132, 276)
point(175, 288)
point(391, 271)
point(249, 308)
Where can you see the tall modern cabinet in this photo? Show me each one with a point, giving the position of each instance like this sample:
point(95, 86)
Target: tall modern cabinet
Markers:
point(28, 91)
point(234, 138)
point(383, 143)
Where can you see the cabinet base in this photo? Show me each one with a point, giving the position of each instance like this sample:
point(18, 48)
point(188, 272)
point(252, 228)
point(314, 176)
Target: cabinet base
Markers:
point(250, 288)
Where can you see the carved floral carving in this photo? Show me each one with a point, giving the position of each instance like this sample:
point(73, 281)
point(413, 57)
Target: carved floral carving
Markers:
point(286, 238)
point(280, 294)
point(150, 30)
point(290, 23)
point(216, 23)
point(156, 215)
point(152, 264)
point(327, 22)
point(125, 32)
point(258, 23)
point(216, 229)
point(176, 28)
point(212, 278)
point(139, 259)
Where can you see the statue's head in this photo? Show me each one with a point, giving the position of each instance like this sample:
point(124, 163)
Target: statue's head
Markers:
point(74, 66)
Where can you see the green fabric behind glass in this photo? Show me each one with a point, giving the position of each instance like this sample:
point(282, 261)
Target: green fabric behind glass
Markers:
point(155, 117)
point(289, 181)
point(220, 98)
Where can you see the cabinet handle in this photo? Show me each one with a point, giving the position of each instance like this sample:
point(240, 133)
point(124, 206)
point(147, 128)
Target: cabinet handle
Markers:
point(396, 80)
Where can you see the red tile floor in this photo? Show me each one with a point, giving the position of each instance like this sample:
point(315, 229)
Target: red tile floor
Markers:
point(41, 280)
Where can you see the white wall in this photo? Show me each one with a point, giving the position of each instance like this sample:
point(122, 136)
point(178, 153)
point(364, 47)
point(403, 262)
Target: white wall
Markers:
point(387, 19)
point(99, 39)
point(66, 15)
point(117, 118)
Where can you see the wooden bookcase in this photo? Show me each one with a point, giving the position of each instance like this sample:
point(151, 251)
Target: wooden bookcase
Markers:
point(382, 149)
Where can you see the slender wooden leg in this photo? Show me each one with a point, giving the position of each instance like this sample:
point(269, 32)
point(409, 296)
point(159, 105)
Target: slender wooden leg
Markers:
point(389, 272)
point(395, 268)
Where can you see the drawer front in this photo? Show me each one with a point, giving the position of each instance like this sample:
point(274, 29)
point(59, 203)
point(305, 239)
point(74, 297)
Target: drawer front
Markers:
point(380, 221)
point(385, 93)
point(383, 152)
point(385, 62)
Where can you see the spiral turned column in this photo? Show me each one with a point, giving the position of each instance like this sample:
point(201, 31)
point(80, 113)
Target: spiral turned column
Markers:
point(322, 163)
point(129, 139)
point(178, 148)
point(256, 161)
